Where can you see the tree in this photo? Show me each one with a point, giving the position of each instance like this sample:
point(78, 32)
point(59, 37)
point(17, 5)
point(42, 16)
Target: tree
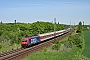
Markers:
point(79, 30)
point(58, 22)
point(1, 32)
point(0, 46)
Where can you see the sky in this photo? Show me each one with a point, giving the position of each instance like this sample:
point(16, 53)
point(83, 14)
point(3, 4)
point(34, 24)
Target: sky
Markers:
point(29, 11)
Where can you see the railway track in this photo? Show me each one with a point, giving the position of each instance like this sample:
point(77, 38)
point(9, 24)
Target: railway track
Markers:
point(10, 52)
point(20, 53)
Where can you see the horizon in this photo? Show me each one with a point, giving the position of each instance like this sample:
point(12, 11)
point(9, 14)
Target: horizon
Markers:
point(42, 21)
point(45, 10)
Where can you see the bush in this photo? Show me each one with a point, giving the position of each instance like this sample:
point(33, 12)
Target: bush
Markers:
point(45, 49)
point(0, 46)
point(1, 32)
point(68, 44)
point(56, 47)
point(12, 42)
point(75, 40)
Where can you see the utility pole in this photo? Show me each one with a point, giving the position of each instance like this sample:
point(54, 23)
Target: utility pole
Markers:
point(70, 25)
point(1, 22)
point(89, 26)
point(15, 30)
point(74, 25)
point(83, 24)
point(74, 28)
point(54, 26)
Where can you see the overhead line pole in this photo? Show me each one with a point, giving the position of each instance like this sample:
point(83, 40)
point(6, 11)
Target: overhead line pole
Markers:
point(70, 26)
point(54, 26)
point(83, 24)
point(15, 30)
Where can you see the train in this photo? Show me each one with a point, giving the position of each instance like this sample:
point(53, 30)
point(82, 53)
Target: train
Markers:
point(28, 41)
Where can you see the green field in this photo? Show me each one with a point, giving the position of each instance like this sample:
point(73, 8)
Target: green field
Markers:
point(86, 51)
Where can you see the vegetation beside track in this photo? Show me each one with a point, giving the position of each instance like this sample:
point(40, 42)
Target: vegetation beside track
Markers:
point(11, 33)
point(63, 50)
point(6, 48)
point(70, 48)
point(67, 48)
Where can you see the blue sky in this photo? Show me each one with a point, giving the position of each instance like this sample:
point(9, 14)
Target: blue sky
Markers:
point(29, 11)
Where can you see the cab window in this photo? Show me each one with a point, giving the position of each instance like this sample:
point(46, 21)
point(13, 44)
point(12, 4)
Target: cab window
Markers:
point(24, 40)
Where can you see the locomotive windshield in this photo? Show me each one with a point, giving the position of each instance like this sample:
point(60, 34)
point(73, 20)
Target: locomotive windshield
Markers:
point(24, 40)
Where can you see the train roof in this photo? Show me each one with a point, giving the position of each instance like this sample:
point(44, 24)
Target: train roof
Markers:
point(34, 36)
point(46, 34)
point(50, 33)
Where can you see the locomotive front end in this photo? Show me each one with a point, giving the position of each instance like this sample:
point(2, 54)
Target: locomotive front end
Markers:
point(25, 42)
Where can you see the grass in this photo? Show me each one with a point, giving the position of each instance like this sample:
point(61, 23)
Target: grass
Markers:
point(54, 55)
point(86, 51)
point(8, 47)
